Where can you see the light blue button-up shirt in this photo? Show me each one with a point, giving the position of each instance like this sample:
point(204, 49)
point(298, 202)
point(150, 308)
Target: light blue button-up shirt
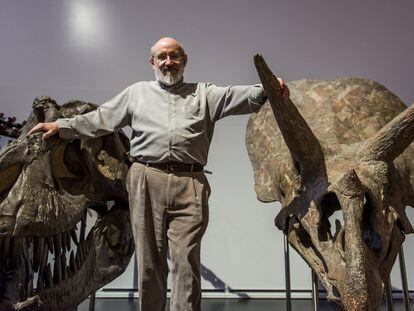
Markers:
point(168, 123)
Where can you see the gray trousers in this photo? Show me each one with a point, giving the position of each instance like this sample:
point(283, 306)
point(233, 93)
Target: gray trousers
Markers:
point(168, 209)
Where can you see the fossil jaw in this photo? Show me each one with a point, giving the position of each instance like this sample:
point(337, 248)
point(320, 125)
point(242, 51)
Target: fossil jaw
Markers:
point(47, 188)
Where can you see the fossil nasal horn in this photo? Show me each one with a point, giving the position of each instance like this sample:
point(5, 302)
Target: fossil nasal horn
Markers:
point(392, 139)
point(303, 145)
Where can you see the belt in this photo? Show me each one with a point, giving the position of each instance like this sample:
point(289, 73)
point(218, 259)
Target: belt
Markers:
point(175, 166)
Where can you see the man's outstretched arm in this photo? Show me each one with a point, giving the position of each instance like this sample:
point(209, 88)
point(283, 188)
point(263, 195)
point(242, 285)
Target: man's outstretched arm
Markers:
point(106, 119)
point(238, 99)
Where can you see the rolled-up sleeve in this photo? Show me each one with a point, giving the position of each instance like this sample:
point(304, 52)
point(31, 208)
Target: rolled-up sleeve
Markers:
point(107, 118)
point(233, 100)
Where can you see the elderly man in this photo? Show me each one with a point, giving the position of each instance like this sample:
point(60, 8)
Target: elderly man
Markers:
point(172, 123)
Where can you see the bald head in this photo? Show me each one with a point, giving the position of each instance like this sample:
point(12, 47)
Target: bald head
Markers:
point(168, 61)
point(166, 42)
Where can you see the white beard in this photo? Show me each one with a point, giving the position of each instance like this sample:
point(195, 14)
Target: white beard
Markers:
point(168, 78)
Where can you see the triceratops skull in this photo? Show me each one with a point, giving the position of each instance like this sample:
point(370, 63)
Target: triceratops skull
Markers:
point(347, 157)
point(47, 187)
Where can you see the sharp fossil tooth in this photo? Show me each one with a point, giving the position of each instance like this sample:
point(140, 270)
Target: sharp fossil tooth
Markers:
point(74, 236)
point(81, 252)
point(39, 284)
point(30, 287)
point(78, 261)
point(43, 261)
point(42, 269)
point(57, 243)
point(83, 227)
point(85, 250)
point(68, 241)
point(63, 267)
point(63, 240)
point(48, 277)
point(57, 271)
point(49, 241)
point(72, 263)
point(39, 243)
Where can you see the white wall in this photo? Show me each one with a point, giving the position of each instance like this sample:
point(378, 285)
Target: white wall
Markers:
point(92, 49)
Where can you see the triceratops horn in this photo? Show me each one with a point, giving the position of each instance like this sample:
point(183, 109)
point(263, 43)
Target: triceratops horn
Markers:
point(299, 138)
point(392, 139)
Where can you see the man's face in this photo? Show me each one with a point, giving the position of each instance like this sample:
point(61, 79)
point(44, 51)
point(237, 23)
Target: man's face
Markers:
point(168, 62)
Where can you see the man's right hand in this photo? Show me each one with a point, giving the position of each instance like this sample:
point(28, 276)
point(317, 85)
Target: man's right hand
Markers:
point(49, 128)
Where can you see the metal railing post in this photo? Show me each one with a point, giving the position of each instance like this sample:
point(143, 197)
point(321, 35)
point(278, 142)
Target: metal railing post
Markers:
point(388, 293)
point(404, 281)
point(92, 302)
point(315, 291)
point(287, 274)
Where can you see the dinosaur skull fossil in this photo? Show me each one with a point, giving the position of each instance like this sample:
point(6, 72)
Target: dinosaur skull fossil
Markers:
point(346, 161)
point(47, 188)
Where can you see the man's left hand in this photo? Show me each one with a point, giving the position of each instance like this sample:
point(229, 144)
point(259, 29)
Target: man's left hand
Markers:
point(285, 90)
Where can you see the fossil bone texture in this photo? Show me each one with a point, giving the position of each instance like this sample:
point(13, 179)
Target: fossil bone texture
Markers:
point(342, 152)
point(47, 259)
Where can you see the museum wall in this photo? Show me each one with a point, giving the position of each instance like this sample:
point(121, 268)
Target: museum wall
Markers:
point(92, 49)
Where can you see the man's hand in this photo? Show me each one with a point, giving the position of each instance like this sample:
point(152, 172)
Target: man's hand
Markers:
point(49, 128)
point(285, 90)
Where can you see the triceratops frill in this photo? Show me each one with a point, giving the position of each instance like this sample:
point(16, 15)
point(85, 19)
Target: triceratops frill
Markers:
point(47, 186)
point(351, 155)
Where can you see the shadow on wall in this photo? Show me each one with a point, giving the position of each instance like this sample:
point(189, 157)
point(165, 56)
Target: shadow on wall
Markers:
point(207, 275)
point(217, 283)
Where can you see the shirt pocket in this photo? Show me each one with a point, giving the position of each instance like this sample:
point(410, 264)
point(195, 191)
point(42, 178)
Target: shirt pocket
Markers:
point(191, 107)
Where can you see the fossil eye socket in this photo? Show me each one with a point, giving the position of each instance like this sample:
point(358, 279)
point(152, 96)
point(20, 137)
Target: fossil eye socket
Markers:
point(330, 203)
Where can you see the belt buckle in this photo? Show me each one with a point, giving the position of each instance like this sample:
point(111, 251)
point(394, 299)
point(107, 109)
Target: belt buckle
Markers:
point(170, 167)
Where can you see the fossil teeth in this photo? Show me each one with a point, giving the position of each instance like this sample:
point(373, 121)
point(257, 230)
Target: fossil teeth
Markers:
point(85, 249)
point(74, 236)
point(81, 251)
point(63, 267)
point(78, 261)
point(39, 284)
point(57, 270)
point(83, 227)
point(49, 241)
point(68, 241)
point(43, 262)
point(72, 263)
point(48, 276)
point(63, 240)
point(39, 244)
point(30, 287)
point(57, 243)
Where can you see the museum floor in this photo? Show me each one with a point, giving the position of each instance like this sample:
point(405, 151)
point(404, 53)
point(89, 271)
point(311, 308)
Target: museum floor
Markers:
point(122, 304)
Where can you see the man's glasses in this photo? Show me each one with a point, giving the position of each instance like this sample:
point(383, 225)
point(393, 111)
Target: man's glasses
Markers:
point(162, 57)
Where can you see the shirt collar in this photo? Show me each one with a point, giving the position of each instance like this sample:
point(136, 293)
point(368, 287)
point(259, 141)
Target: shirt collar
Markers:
point(171, 87)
